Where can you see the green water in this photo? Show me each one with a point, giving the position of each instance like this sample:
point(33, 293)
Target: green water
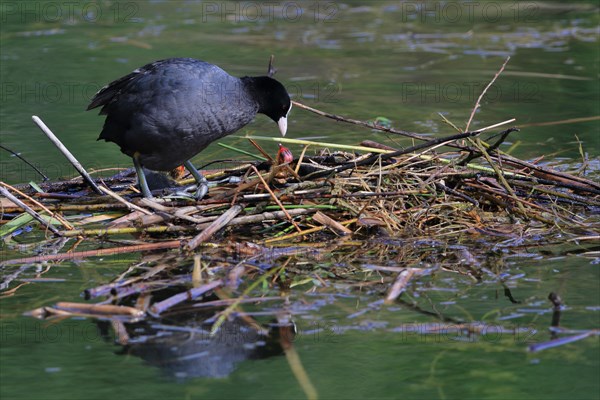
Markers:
point(362, 59)
point(349, 347)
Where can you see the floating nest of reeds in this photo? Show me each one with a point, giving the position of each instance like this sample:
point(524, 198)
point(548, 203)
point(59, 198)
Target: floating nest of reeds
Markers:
point(331, 204)
point(442, 190)
point(448, 187)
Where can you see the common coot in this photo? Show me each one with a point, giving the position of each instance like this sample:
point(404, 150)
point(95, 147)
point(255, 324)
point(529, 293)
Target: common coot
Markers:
point(166, 112)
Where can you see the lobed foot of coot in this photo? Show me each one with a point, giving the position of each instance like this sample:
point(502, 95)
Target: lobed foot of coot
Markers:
point(202, 182)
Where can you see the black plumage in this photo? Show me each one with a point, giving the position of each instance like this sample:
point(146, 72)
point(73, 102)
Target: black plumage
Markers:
point(166, 112)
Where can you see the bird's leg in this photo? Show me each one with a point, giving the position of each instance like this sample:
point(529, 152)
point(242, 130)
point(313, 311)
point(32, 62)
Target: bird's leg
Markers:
point(202, 182)
point(141, 177)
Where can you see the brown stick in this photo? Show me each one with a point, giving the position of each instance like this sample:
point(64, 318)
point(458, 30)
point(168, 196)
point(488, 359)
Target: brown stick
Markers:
point(500, 176)
point(361, 123)
point(252, 219)
point(191, 294)
point(29, 211)
point(478, 103)
point(77, 255)
point(401, 283)
point(562, 121)
point(387, 156)
point(276, 199)
point(550, 174)
point(99, 309)
point(331, 223)
point(214, 227)
point(59, 218)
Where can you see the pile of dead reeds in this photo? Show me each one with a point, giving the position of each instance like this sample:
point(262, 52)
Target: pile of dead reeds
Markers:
point(438, 187)
point(421, 200)
point(441, 187)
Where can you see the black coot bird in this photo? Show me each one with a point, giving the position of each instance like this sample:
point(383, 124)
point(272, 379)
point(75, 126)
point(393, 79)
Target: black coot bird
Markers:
point(166, 112)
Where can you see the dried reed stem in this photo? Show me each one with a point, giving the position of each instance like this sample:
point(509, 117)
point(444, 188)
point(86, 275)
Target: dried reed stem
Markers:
point(59, 218)
point(478, 103)
point(274, 197)
point(129, 205)
point(29, 211)
point(78, 255)
point(214, 227)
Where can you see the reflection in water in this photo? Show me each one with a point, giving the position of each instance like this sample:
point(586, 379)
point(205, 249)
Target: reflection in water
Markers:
point(185, 348)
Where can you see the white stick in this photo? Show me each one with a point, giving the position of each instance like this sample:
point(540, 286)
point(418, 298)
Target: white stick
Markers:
point(66, 153)
point(508, 121)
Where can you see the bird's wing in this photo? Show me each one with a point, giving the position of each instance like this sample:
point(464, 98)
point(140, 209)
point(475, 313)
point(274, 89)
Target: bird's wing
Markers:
point(111, 91)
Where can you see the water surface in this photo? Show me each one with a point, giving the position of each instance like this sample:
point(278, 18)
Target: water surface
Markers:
point(356, 58)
